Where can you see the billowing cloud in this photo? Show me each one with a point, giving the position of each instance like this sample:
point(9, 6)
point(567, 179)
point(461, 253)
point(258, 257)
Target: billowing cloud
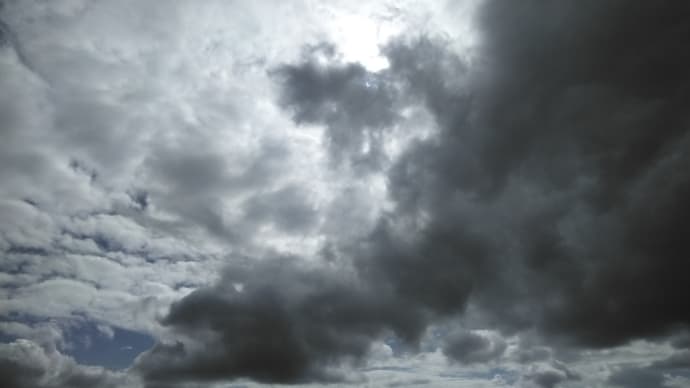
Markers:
point(355, 105)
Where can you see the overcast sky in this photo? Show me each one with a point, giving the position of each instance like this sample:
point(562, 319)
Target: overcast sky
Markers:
point(339, 193)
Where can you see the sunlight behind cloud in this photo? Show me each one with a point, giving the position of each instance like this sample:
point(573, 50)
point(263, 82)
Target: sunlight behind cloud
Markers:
point(360, 37)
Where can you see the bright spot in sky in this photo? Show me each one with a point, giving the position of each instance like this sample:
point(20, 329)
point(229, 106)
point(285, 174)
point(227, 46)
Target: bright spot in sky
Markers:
point(359, 39)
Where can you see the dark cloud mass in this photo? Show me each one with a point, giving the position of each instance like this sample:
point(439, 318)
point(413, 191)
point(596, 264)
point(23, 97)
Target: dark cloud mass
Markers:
point(554, 197)
point(293, 326)
point(576, 97)
point(567, 172)
point(539, 223)
point(355, 105)
point(472, 348)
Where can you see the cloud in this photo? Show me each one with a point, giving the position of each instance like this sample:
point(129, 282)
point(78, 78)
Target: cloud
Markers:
point(659, 373)
point(355, 105)
point(298, 325)
point(531, 170)
point(468, 347)
point(632, 378)
point(287, 208)
point(308, 214)
point(24, 364)
point(125, 191)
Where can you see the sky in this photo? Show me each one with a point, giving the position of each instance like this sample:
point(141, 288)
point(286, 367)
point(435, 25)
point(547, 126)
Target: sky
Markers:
point(221, 194)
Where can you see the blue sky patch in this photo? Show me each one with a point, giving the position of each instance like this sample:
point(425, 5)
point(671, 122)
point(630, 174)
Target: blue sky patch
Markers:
point(106, 346)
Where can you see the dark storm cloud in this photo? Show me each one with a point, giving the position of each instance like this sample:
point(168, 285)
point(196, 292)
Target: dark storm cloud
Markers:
point(554, 198)
point(275, 322)
point(355, 105)
point(403, 263)
point(470, 348)
point(589, 101)
point(585, 81)
point(562, 155)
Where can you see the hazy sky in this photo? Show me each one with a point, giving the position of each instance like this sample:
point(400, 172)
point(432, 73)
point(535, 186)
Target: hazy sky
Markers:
point(343, 193)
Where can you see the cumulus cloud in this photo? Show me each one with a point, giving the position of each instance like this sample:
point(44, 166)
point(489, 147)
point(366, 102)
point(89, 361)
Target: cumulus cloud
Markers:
point(24, 364)
point(295, 326)
point(355, 105)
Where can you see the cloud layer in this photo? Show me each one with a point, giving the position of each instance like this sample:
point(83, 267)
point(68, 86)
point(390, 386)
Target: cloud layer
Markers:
point(505, 210)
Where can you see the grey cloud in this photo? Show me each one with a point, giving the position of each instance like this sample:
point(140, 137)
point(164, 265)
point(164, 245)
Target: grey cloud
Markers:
point(627, 172)
point(191, 184)
point(533, 354)
point(297, 325)
point(94, 131)
point(24, 364)
point(654, 374)
point(438, 280)
point(681, 341)
point(558, 87)
point(637, 378)
point(355, 105)
point(288, 208)
point(48, 335)
point(409, 383)
point(194, 184)
point(680, 360)
point(548, 379)
point(552, 375)
point(468, 347)
point(543, 151)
